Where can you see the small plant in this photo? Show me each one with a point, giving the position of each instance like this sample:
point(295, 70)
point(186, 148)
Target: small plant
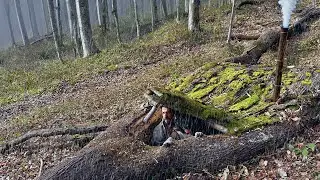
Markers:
point(303, 150)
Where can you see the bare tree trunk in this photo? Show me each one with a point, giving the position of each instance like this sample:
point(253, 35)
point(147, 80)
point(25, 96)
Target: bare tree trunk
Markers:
point(88, 45)
point(44, 4)
point(164, 7)
point(7, 10)
point(154, 13)
point(98, 5)
point(73, 25)
point(178, 11)
point(32, 17)
point(314, 3)
point(231, 21)
point(105, 16)
point(58, 16)
point(54, 29)
point(209, 3)
point(23, 30)
point(186, 6)
point(194, 15)
point(136, 18)
point(115, 15)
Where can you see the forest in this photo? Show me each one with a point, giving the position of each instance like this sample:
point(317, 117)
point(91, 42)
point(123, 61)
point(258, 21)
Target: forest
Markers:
point(85, 86)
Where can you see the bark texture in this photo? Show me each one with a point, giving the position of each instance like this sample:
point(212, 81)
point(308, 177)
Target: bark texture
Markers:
point(164, 7)
point(231, 21)
point(44, 4)
point(116, 20)
point(58, 16)
point(22, 27)
point(136, 15)
point(88, 46)
point(194, 15)
point(154, 14)
point(54, 26)
point(178, 11)
point(73, 26)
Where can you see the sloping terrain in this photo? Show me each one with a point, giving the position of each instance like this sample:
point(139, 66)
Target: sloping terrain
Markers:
point(114, 82)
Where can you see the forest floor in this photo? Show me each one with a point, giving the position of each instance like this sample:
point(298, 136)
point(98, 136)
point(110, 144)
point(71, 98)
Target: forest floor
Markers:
point(107, 96)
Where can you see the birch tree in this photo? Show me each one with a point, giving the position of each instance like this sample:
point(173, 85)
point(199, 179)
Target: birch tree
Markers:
point(7, 9)
point(136, 17)
point(154, 13)
point(164, 8)
point(105, 15)
point(178, 11)
point(22, 27)
point(54, 26)
point(115, 15)
point(88, 46)
point(58, 16)
point(32, 17)
point(186, 6)
point(231, 21)
point(98, 5)
point(194, 15)
point(73, 25)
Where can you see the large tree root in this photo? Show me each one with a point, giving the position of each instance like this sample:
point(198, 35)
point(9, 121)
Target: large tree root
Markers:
point(269, 38)
point(50, 132)
point(114, 155)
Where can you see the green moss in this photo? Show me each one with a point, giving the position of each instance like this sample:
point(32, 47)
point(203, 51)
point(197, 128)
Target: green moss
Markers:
point(112, 67)
point(307, 82)
point(245, 104)
point(308, 74)
point(241, 125)
point(202, 92)
point(222, 99)
point(185, 82)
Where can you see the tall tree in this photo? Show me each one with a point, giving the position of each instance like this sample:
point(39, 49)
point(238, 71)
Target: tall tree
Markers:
point(164, 8)
point(314, 3)
point(54, 26)
point(186, 6)
point(7, 9)
point(154, 13)
point(44, 4)
point(178, 11)
point(58, 16)
point(88, 46)
point(136, 18)
point(98, 5)
point(231, 21)
point(23, 30)
point(115, 15)
point(32, 17)
point(73, 25)
point(194, 15)
point(105, 15)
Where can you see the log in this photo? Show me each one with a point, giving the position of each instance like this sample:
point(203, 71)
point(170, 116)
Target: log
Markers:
point(271, 37)
point(244, 37)
point(113, 155)
point(50, 132)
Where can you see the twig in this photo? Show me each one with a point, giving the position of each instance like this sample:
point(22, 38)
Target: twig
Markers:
point(41, 167)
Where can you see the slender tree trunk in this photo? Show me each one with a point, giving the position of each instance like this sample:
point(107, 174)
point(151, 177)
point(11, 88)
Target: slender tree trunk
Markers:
point(164, 7)
point(115, 15)
point(58, 16)
point(88, 45)
point(54, 29)
point(44, 4)
point(178, 11)
point(314, 3)
point(105, 16)
point(32, 17)
point(136, 18)
point(98, 5)
point(7, 10)
point(73, 25)
point(194, 15)
point(186, 6)
point(231, 21)
point(23, 30)
point(154, 14)
point(209, 3)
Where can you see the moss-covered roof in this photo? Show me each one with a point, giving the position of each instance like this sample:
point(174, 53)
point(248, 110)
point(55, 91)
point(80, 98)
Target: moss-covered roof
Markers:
point(242, 92)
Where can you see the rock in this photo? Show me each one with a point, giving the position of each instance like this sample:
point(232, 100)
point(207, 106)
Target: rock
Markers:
point(282, 173)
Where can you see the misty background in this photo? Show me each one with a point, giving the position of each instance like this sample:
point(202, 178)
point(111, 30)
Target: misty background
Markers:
point(124, 10)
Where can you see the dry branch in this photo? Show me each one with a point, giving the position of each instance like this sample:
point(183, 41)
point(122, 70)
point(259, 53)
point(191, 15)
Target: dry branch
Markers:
point(50, 132)
point(269, 38)
point(244, 37)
